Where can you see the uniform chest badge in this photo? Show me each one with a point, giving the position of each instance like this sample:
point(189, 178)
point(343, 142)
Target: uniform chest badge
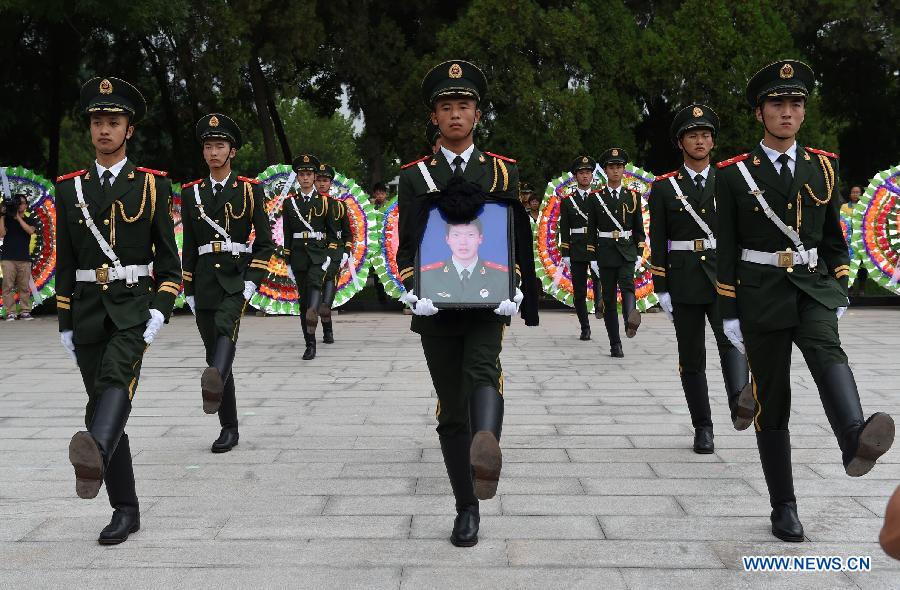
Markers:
point(483, 271)
point(484, 293)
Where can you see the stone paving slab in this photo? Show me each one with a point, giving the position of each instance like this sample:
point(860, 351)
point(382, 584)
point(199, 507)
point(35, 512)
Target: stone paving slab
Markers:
point(338, 481)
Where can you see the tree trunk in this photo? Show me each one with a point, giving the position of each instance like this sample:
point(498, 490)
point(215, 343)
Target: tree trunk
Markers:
point(160, 74)
point(279, 125)
point(373, 152)
point(258, 85)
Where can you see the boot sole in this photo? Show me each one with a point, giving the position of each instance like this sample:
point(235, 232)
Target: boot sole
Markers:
point(116, 541)
point(633, 323)
point(458, 543)
point(212, 386)
point(217, 450)
point(746, 407)
point(874, 441)
point(84, 454)
point(786, 537)
point(487, 461)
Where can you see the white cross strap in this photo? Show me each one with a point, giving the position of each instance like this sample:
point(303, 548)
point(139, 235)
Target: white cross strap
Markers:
point(101, 241)
point(300, 217)
point(426, 175)
point(577, 208)
point(611, 217)
point(687, 207)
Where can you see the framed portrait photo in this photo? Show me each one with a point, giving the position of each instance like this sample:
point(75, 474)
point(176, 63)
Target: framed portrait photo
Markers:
point(467, 266)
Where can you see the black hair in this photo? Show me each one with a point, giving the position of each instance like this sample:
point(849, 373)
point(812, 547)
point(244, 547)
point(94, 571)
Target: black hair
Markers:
point(476, 222)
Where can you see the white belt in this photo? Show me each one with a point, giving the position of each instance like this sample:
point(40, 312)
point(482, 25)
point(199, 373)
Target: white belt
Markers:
point(229, 247)
point(692, 245)
point(130, 274)
point(782, 259)
point(615, 234)
point(309, 235)
point(578, 230)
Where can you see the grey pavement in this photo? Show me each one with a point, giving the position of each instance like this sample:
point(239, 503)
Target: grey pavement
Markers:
point(338, 480)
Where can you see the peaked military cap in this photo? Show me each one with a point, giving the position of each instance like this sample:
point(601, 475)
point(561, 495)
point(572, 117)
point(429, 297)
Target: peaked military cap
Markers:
point(787, 77)
point(583, 163)
point(306, 162)
point(218, 126)
point(456, 78)
point(112, 96)
point(525, 188)
point(613, 156)
point(325, 170)
point(694, 116)
point(432, 132)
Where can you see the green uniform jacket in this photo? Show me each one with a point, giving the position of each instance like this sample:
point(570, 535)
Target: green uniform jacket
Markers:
point(135, 218)
point(343, 238)
point(627, 210)
point(492, 173)
point(489, 281)
point(304, 253)
point(765, 297)
point(239, 209)
point(578, 246)
point(688, 276)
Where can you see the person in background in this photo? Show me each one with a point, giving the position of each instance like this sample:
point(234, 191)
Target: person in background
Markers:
point(16, 229)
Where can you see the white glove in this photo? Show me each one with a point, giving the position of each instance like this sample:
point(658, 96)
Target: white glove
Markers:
point(567, 262)
point(326, 264)
point(190, 302)
point(345, 258)
point(595, 267)
point(665, 303)
point(153, 325)
point(424, 307)
point(840, 311)
point(66, 338)
point(510, 308)
point(291, 273)
point(732, 329)
point(409, 299)
point(249, 289)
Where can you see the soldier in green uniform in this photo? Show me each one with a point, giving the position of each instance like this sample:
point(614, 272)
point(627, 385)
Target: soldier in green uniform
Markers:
point(221, 269)
point(343, 241)
point(309, 244)
point(462, 347)
point(620, 232)
point(782, 278)
point(683, 265)
point(113, 222)
point(577, 237)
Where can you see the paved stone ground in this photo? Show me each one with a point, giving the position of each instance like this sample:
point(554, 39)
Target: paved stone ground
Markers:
point(338, 480)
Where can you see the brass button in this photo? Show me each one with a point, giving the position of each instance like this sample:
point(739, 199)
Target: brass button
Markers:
point(217, 235)
point(790, 227)
point(790, 269)
point(702, 210)
point(149, 289)
point(756, 208)
point(105, 265)
point(81, 221)
point(739, 281)
point(703, 258)
point(105, 287)
point(106, 222)
point(218, 265)
point(790, 205)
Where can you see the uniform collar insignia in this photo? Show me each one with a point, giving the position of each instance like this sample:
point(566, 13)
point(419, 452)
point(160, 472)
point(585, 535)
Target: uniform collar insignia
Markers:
point(131, 175)
point(806, 155)
point(481, 159)
point(433, 162)
point(87, 176)
point(234, 185)
point(203, 184)
point(680, 176)
point(756, 161)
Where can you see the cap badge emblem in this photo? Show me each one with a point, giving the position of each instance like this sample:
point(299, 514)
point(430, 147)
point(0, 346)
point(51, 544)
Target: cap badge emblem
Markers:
point(455, 71)
point(615, 152)
point(584, 160)
point(106, 87)
point(306, 159)
point(698, 112)
point(787, 71)
point(214, 121)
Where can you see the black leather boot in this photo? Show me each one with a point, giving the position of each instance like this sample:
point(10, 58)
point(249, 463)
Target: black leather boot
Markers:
point(310, 341)
point(119, 478)
point(738, 387)
point(775, 456)
point(212, 382)
point(314, 299)
point(861, 443)
point(696, 393)
point(585, 334)
point(91, 450)
point(630, 314)
point(228, 437)
point(455, 449)
point(598, 300)
point(486, 422)
point(328, 294)
point(611, 320)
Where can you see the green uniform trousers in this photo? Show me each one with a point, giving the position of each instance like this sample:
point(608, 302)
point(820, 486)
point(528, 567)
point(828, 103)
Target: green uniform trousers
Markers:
point(579, 272)
point(224, 320)
point(613, 276)
point(458, 364)
point(116, 362)
point(690, 331)
point(769, 355)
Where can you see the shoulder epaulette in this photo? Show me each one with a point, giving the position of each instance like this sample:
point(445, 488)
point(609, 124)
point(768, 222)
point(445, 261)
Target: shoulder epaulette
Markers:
point(250, 180)
point(496, 266)
point(733, 160)
point(413, 163)
point(432, 266)
point(71, 175)
point(190, 184)
point(823, 153)
point(152, 171)
point(665, 176)
point(499, 157)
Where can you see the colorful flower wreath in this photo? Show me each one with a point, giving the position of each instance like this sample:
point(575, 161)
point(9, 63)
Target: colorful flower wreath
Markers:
point(387, 237)
point(876, 230)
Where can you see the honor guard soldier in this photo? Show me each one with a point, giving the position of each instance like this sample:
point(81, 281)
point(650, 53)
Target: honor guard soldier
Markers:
point(683, 264)
point(462, 347)
point(577, 237)
point(782, 278)
point(343, 241)
point(221, 269)
point(117, 276)
point(620, 232)
point(309, 244)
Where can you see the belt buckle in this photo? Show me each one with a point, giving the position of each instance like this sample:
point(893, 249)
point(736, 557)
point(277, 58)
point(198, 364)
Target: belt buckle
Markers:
point(785, 259)
point(217, 247)
point(102, 276)
point(615, 234)
point(699, 246)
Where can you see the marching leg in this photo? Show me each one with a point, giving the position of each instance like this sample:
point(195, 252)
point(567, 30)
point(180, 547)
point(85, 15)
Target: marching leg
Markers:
point(696, 392)
point(775, 456)
point(486, 420)
point(228, 436)
point(119, 479)
point(91, 450)
point(455, 449)
point(212, 382)
point(328, 294)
